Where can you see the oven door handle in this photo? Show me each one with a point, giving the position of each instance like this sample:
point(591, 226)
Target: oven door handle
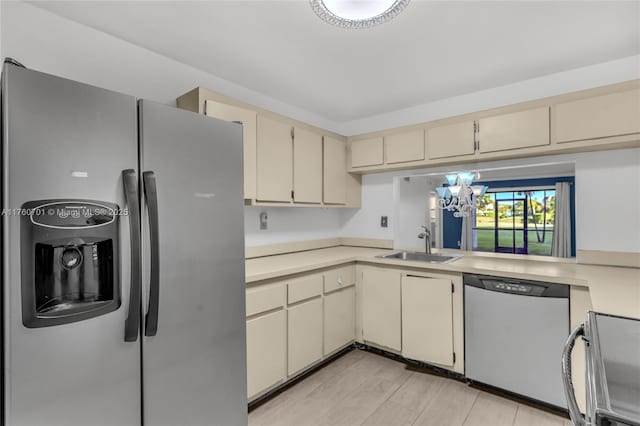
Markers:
point(577, 417)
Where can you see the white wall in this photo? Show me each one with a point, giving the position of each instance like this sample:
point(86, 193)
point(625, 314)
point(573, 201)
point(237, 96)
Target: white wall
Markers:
point(608, 200)
point(286, 224)
point(377, 200)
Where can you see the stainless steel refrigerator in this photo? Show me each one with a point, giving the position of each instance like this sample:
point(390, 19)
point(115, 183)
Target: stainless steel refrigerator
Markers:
point(122, 259)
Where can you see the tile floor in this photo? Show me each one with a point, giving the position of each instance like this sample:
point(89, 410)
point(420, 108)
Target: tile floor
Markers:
point(362, 388)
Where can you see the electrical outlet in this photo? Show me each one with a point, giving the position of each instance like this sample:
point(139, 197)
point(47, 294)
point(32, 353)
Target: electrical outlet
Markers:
point(263, 220)
point(384, 221)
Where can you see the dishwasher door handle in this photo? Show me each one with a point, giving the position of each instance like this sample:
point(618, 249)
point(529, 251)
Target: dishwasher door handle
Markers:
point(577, 417)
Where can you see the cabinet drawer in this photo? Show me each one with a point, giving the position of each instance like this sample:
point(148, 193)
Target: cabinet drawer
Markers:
point(344, 276)
point(404, 147)
point(264, 298)
point(367, 152)
point(614, 114)
point(304, 288)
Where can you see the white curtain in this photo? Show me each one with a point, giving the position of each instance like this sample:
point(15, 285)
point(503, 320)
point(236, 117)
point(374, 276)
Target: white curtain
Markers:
point(466, 240)
point(562, 224)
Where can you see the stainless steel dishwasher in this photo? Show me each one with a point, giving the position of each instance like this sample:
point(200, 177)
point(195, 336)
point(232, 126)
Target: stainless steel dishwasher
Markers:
point(515, 332)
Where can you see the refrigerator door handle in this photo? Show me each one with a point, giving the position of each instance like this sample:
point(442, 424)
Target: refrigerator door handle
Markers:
point(151, 196)
point(132, 323)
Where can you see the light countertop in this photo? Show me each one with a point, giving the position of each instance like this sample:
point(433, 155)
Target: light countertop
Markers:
point(612, 290)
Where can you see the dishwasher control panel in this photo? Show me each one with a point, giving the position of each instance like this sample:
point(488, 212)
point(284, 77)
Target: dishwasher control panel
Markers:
point(516, 286)
point(509, 287)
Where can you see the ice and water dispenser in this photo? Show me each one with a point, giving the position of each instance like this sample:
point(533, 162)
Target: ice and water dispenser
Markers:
point(70, 261)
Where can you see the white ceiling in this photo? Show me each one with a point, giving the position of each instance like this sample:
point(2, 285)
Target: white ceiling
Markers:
point(433, 50)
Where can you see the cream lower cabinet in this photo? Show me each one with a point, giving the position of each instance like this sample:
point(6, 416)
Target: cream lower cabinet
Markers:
point(339, 319)
point(294, 323)
point(266, 351)
point(305, 335)
point(427, 319)
point(381, 308)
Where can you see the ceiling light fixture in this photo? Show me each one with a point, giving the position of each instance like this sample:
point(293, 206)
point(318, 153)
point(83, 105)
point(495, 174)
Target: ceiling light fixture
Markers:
point(357, 14)
point(459, 196)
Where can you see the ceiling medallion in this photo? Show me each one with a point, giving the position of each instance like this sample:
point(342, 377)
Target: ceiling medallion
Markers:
point(357, 14)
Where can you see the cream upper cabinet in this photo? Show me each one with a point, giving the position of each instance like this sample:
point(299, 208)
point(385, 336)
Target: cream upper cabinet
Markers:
point(452, 140)
point(248, 119)
point(274, 160)
point(305, 335)
point(307, 166)
point(266, 352)
point(403, 147)
point(381, 319)
point(334, 188)
point(367, 152)
point(427, 320)
point(615, 114)
point(339, 319)
point(522, 129)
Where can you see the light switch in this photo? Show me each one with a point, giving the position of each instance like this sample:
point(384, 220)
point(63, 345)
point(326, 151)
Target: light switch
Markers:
point(384, 221)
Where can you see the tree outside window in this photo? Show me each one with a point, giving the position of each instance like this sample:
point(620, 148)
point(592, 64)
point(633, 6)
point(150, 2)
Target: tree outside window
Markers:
point(515, 221)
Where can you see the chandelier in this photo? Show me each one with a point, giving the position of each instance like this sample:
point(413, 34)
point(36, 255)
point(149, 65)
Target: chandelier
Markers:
point(357, 14)
point(458, 196)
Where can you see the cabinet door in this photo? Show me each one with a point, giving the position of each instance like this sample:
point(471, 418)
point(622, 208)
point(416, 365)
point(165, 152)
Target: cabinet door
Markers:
point(266, 356)
point(427, 320)
point(404, 147)
point(248, 120)
point(615, 114)
point(335, 171)
point(339, 319)
point(305, 335)
point(367, 152)
point(452, 140)
point(307, 166)
point(274, 161)
point(522, 129)
point(381, 308)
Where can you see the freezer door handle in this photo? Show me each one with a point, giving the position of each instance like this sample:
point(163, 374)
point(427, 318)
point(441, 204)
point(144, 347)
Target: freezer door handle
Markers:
point(151, 196)
point(132, 323)
point(574, 411)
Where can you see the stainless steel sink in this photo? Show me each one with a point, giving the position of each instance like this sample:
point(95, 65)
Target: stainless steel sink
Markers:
point(417, 256)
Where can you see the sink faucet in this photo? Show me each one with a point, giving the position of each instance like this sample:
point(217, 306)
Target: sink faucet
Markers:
point(426, 234)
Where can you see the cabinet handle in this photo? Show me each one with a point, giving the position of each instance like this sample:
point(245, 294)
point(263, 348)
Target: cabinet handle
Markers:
point(340, 281)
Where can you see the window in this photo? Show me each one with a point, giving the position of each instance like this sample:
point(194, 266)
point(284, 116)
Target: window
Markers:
point(515, 221)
